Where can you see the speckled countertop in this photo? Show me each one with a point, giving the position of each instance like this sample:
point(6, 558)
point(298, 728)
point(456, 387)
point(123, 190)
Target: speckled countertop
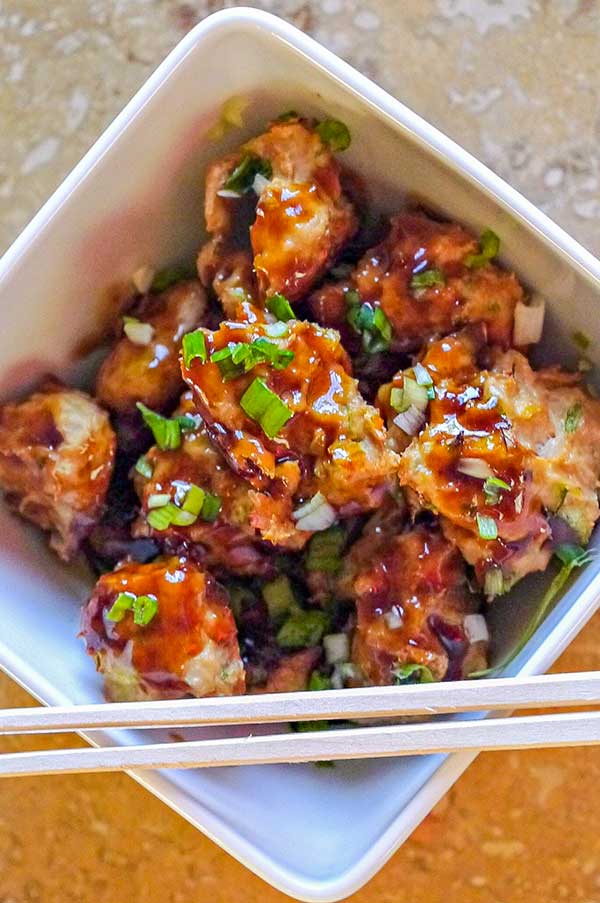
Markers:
point(517, 83)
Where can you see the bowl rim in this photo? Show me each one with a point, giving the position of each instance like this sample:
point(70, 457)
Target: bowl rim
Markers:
point(434, 141)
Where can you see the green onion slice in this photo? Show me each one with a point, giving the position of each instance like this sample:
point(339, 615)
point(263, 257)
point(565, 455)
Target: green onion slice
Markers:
point(122, 604)
point(144, 609)
point(144, 467)
point(241, 179)
point(280, 307)
point(427, 279)
point(318, 681)
point(302, 629)
point(334, 133)
point(324, 551)
point(574, 417)
point(194, 346)
point(412, 673)
point(241, 357)
point(489, 246)
point(166, 432)
point(369, 322)
point(487, 526)
point(491, 489)
point(265, 407)
point(164, 279)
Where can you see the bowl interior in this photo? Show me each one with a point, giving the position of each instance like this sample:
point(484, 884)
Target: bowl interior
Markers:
point(141, 202)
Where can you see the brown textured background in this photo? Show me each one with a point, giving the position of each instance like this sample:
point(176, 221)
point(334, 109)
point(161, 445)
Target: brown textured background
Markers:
point(517, 83)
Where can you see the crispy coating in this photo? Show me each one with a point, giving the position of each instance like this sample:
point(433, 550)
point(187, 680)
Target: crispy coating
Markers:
point(334, 442)
point(411, 601)
point(415, 244)
point(189, 647)
point(248, 518)
point(537, 432)
point(150, 373)
point(301, 221)
point(57, 453)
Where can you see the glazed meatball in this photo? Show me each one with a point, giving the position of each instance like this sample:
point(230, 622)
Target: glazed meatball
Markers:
point(301, 220)
point(144, 364)
point(162, 631)
point(428, 278)
point(228, 536)
point(509, 459)
point(413, 606)
point(57, 453)
point(290, 419)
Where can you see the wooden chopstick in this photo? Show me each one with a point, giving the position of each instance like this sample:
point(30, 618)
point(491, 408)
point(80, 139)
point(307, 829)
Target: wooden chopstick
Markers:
point(528, 732)
point(547, 691)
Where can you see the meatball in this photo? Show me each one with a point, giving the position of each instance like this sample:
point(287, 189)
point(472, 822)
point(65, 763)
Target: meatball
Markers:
point(302, 219)
point(509, 459)
point(162, 631)
point(146, 369)
point(428, 279)
point(240, 517)
point(413, 606)
point(290, 420)
point(57, 452)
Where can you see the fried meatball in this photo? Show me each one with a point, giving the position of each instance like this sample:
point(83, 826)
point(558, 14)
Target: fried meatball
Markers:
point(174, 636)
point(392, 276)
point(232, 540)
point(509, 458)
point(327, 440)
point(150, 372)
point(302, 219)
point(57, 453)
point(412, 602)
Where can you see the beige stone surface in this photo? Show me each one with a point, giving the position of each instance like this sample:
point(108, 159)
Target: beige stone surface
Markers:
point(517, 83)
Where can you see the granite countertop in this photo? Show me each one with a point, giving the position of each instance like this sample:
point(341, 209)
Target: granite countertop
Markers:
point(516, 82)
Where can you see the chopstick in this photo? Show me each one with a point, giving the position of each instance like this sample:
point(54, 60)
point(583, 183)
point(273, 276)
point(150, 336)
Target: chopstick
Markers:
point(528, 732)
point(496, 694)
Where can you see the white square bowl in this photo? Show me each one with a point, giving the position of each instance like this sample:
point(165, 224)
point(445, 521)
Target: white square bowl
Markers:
point(136, 198)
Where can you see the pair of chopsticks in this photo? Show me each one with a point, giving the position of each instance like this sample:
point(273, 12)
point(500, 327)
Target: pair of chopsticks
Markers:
point(501, 694)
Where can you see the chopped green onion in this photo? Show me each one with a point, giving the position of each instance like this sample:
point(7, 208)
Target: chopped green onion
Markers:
point(194, 346)
point(122, 604)
point(487, 526)
point(334, 133)
point(491, 489)
point(573, 418)
point(166, 432)
point(188, 422)
point(422, 375)
point(303, 628)
point(265, 407)
point(137, 332)
point(241, 179)
point(241, 357)
point(280, 597)
point(582, 340)
point(194, 500)
point(159, 518)
point(280, 307)
point(369, 322)
point(144, 609)
point(304, 727)
point(211, 507)
point(412, 673)
point(318, 681)
point(158, 500)
point(179, 517)
point(285, 117)
point(164, 279)
point(411, 394)
point(277, 330)
point(572, 556)
point(427, 279)
point(143, 467)
point(325, 550)
point(489, 245)
point(493, 584)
